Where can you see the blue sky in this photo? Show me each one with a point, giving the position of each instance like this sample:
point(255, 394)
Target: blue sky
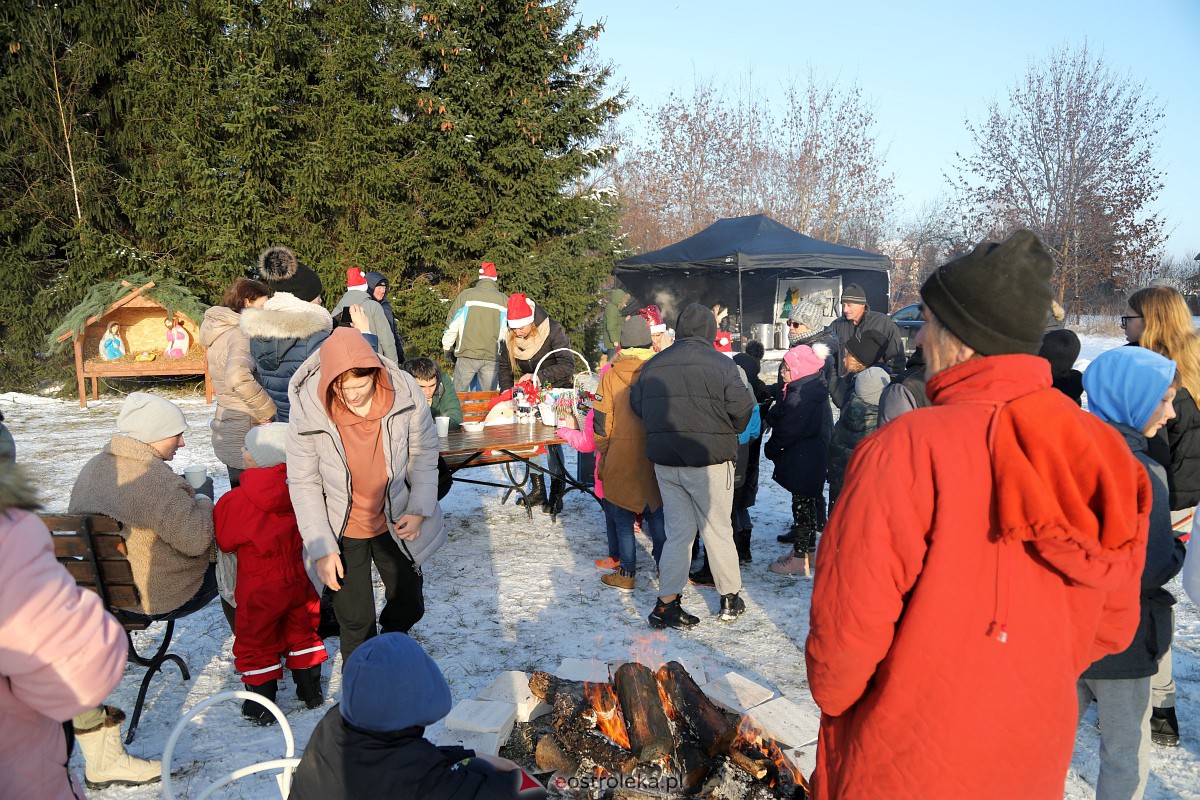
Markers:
point(925, 67)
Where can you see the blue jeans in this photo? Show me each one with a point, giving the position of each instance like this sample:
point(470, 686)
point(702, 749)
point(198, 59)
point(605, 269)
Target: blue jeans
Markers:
point(653, 522)
point(610, 525)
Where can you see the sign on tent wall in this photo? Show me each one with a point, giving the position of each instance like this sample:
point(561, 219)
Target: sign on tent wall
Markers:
point(822, 291)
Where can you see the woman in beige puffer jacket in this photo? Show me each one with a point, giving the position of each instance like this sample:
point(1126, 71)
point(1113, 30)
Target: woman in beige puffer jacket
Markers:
point(242, 402)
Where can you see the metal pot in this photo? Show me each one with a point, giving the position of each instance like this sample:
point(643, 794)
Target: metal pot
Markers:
point(764, 333)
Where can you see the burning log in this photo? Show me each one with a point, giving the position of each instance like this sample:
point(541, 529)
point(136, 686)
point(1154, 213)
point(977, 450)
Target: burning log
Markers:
point(692, 764)
point(572, 712)
point(650, 735)
point(545, 685)
point(756, 764)
point(714, 730)
point(550, 756)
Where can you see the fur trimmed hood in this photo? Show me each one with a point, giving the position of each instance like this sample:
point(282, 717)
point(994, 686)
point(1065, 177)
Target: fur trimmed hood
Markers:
point(284, 316)
point(16, 489)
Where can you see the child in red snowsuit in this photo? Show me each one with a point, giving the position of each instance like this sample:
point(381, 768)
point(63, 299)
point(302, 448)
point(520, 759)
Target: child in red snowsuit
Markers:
point(278, 609)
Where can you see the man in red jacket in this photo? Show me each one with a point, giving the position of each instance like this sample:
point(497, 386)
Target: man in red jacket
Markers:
point(983, 553)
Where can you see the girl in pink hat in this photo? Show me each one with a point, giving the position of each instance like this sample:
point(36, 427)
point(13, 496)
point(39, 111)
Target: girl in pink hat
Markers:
point(801, 427)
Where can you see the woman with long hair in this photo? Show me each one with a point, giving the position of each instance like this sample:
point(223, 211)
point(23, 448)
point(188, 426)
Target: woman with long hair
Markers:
point(1159, 319)
point(241, 400)
point(362, 455)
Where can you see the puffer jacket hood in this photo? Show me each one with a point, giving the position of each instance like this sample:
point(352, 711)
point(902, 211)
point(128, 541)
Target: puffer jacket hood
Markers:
point(696, 322)
point(217, 322)
point(266, 488)
point(284, 316)
point(869, 385)
point(345, 349)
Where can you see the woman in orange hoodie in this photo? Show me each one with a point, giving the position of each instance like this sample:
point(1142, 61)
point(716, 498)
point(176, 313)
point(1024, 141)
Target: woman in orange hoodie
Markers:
point(362, 456)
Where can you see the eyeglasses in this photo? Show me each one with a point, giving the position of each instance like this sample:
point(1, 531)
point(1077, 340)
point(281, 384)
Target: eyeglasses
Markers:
point(1125, 319)
point(794, 324)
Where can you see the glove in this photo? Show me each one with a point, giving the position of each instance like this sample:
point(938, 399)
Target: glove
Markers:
point(207, 488)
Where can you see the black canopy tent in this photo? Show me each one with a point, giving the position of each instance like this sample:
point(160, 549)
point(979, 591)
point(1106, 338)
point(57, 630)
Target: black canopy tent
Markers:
point(746, 263)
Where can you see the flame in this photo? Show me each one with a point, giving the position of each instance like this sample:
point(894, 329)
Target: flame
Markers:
point(649, 650)
point(668, 706)
point(608, 715)
point(750, 736)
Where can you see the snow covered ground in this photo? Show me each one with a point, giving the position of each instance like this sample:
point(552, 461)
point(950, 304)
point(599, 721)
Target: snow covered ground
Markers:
point(506, 593)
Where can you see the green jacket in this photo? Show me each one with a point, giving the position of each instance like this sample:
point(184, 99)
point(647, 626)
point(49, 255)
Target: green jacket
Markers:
point(613, 318)
point(445, 402)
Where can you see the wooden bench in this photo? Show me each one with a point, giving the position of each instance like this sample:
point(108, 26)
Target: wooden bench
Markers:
point(92, 549)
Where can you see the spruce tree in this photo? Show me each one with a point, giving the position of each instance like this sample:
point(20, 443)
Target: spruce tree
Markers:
point(511, 105)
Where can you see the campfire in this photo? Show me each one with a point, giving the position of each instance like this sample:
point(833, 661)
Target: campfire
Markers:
point(650, 734)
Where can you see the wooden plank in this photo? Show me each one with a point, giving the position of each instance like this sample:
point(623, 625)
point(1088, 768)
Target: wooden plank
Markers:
point(114, 573)
point(119, 597)
point(71, 522)
point(117, 304)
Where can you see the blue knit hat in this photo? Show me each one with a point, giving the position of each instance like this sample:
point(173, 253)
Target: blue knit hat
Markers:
point(390, 683)
point(1124, 384)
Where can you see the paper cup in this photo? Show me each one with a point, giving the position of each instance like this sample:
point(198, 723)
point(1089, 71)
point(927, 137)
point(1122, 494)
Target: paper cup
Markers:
point(196, 475)
point(443, 425)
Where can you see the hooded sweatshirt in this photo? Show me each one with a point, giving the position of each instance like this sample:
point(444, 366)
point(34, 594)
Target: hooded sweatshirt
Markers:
point(361, 435)
point(691, 398)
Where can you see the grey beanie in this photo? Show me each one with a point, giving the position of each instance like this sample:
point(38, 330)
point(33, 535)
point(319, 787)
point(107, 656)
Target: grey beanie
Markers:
point(150, 418)
point(807, 313)
point(635, 332)
point(853, 293)
point(267, 444)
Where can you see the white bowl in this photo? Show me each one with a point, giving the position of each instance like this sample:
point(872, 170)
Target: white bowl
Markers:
point(472, 427)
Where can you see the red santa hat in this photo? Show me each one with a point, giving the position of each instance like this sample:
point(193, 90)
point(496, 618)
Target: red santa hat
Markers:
point(520, 311)
point(653, 315)
point(487, 270)
point(723, 342)
point(355, 279)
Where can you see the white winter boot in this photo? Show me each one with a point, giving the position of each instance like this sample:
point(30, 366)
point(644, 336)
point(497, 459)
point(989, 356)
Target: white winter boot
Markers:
point(105, 761)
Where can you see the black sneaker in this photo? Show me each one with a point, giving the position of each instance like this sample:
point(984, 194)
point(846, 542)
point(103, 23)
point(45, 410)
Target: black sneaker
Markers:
point(671, 615)
point(787, 538)
point(1164, 727)
point(732, 607)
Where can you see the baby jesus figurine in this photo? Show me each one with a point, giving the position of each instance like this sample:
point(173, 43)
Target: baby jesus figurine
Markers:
point(178, 340)
point(111, 346)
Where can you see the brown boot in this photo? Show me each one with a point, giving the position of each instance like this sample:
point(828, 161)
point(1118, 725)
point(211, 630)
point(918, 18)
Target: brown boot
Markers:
point(620, 579)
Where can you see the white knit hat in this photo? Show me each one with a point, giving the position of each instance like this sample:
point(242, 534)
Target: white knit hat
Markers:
point(150, 418)
point(267, 444)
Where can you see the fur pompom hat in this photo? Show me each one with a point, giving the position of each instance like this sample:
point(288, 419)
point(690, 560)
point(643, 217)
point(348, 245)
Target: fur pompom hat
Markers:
point(279, 269)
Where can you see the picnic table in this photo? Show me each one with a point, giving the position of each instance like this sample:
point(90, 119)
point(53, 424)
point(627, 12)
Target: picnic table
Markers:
point(512, 445)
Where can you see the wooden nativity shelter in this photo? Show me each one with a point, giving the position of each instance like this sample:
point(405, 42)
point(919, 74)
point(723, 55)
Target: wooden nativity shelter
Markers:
point(142, 330)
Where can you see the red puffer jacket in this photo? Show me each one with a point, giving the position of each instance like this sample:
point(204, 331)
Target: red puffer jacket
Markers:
point(983, 553)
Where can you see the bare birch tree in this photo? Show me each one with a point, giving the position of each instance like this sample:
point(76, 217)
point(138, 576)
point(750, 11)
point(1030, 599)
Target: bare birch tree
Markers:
point(1070, 155)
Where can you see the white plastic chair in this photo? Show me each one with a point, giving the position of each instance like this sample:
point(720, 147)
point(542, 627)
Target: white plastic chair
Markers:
point(287, 764)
